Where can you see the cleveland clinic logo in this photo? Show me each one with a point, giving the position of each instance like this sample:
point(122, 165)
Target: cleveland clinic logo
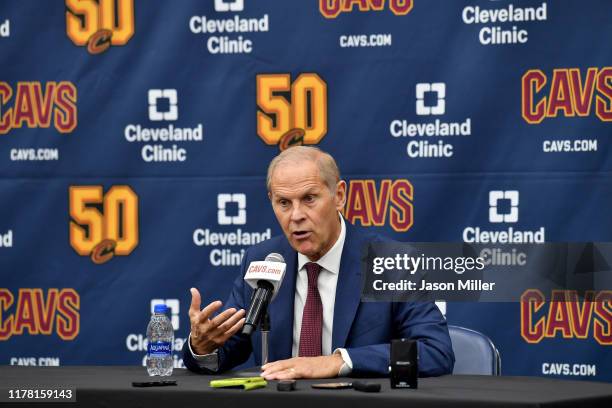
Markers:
point(503, 23)
point(228, 241)
point(225, 33)
point(430, 99)
point(224, 215)
point(496, 201)
point(163, 140)
point(438, 91)
point(503, 208)
point(156, 98)
point(225, 5)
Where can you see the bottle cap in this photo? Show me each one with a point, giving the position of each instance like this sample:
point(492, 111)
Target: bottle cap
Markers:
point(160, 308)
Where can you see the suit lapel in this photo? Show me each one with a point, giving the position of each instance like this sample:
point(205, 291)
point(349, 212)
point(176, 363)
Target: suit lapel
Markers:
point(348, 289)
point(281, 310)
point(348, 295)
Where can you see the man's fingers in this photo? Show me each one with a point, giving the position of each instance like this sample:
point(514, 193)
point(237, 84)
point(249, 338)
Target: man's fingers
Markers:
point(209, 310)
point(275, 367)
point(196, 302)
point(234, 329)
point(288, 374)
point(231, 321)
point(277, 364)
point(221, 317)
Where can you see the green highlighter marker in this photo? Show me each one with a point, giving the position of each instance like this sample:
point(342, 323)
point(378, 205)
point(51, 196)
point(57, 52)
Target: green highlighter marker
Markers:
point(247, 383)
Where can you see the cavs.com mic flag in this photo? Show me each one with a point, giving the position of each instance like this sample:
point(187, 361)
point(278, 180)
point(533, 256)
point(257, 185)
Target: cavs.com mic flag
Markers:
point(266, 278)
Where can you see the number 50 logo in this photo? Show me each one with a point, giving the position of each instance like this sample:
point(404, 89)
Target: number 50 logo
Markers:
point(291, 113)
point(99, 23)
point(103, 234)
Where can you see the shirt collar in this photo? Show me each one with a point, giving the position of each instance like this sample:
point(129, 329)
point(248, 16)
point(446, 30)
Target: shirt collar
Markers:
point(331, 260)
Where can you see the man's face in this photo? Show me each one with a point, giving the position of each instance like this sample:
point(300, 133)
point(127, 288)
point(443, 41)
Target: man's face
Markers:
point(305, 208)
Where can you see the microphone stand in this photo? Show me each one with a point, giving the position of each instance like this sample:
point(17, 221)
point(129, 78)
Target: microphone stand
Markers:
point(264, 326)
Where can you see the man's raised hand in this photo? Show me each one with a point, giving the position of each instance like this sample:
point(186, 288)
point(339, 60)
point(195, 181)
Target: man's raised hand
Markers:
point(207, 332)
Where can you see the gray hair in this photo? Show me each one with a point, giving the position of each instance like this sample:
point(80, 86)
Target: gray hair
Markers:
point(328, 169)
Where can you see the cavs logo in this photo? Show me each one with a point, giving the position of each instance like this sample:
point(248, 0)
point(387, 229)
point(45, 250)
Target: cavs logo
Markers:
point(567, 316)
point(103, 225)
point(291, 113)
point(332, 8)
point(36, 312)
point(389, 202)
point(38, 105)
point(571, 93)
point(99, 24)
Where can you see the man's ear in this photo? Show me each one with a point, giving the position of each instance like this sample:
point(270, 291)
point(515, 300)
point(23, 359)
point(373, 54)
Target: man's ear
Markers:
point(270, 196)
point(340, 196)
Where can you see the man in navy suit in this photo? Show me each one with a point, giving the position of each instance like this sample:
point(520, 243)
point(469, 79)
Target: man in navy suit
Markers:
point(320, 329)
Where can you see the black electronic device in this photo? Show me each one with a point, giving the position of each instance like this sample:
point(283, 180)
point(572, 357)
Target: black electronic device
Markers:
point(164, 383)
point(286, 385)
point(403, 364)
point(366, 386)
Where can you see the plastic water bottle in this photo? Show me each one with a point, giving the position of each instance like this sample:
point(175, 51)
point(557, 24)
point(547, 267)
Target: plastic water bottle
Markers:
point(160, 336)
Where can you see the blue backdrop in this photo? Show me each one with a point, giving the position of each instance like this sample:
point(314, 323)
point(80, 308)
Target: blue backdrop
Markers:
point(134, 139)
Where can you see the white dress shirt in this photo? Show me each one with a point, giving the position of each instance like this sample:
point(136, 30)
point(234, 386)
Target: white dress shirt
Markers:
point(327, 282)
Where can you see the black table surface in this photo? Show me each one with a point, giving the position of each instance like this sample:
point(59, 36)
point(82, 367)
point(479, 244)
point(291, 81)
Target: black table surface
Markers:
point(111, 386)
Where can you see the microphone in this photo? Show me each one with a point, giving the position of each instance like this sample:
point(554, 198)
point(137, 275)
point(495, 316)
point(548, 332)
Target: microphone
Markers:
point(265, 277)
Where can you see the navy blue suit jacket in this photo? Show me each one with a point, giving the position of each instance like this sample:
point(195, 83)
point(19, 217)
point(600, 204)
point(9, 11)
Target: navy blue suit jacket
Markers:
point(364, 329)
